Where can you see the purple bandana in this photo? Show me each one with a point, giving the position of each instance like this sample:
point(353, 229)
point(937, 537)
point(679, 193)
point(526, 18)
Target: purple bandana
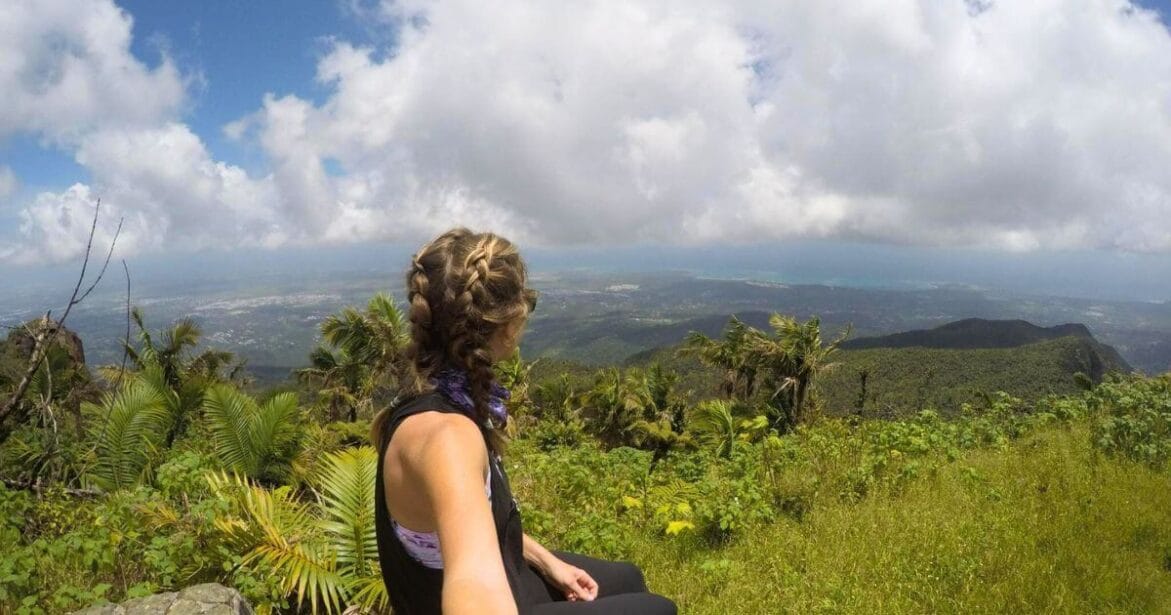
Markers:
point(453, 383)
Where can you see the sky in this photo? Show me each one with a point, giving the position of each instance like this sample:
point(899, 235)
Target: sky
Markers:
point(970, 132)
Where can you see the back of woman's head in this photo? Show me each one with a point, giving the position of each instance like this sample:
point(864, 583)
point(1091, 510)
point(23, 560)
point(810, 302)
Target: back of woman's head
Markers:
point(462, 288)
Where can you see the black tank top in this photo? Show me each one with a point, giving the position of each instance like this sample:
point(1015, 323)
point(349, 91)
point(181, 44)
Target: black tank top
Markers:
point(416, 589)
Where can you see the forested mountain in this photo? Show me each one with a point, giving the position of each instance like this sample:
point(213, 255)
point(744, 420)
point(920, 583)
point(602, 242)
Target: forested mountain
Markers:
point(941, 368)
point(985, 333)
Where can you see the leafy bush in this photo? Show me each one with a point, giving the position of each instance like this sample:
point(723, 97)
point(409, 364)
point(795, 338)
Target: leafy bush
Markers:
point(1133, 419)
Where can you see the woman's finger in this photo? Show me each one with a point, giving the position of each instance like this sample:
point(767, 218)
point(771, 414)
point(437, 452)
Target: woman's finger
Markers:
point(588, 585)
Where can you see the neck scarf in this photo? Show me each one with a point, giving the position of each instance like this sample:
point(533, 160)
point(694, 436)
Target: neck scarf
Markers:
point(453, 383)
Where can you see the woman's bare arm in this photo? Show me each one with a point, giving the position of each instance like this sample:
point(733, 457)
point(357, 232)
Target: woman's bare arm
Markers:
point(450, 462)
point(537, 555)
point(575, 583)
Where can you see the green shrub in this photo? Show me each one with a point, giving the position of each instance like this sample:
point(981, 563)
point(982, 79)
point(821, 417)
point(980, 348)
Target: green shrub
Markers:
point(1132, 419)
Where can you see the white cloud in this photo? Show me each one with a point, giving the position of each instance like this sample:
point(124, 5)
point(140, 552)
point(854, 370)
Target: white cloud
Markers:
point(1026, 125)
point(166, 189)
point(66, 68)
point(57, 225)
point(1022, 126)
point(71, 80)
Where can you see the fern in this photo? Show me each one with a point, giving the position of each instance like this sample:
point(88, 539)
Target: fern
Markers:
point(280, 536)
point(136, 418)
point(259, 441)
point(348, 507)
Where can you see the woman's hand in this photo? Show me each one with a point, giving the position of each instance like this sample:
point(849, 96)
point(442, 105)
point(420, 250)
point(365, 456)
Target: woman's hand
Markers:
point(574, 582)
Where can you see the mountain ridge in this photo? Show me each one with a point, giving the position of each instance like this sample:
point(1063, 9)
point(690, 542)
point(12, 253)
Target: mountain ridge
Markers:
point(974, 333)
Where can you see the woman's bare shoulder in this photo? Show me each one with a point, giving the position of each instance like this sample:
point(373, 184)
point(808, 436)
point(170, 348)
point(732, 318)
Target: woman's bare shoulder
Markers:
point(425, 438)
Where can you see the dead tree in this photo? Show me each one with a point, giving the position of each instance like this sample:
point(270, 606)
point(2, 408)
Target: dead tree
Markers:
point(47, 333)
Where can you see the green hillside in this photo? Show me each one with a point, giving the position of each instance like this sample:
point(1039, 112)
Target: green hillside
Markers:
point(972, 333)
point(912, 378)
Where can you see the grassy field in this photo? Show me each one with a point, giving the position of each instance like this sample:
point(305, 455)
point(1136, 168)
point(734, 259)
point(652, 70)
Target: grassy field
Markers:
point(1041, 524)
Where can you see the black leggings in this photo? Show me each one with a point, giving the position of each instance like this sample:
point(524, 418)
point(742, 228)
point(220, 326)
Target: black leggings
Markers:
point(621, 591)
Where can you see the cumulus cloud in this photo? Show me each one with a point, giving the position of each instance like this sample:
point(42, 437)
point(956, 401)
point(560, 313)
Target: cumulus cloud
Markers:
point(1021, 126)
point(1017, 125)
point(66, 68)
point(164, 187)
point(70, 79)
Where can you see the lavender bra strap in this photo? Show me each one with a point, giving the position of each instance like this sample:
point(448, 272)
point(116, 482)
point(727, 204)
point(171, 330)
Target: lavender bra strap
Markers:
point(424, 546)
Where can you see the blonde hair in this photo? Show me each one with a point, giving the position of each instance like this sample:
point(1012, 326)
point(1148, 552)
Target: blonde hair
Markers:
point(462, 288)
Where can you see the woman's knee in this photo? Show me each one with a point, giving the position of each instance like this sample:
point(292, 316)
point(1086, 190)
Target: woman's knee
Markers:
point(633, 580)
point(660, 605)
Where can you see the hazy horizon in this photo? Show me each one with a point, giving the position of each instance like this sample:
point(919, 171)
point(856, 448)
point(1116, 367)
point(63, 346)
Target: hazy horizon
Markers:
point(1075, 274)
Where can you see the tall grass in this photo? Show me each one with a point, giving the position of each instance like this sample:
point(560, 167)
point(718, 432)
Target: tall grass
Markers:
point(1041, 525)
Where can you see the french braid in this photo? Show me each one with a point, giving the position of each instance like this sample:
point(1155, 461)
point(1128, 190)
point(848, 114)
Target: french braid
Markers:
point(462, 287)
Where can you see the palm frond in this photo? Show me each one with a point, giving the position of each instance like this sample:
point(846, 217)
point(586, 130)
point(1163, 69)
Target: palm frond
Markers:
point(346, 484)
point(183, 334)
point(712, 421)
point(230, 415)
point(275, 436)
point(136, 417)
point(279, 534)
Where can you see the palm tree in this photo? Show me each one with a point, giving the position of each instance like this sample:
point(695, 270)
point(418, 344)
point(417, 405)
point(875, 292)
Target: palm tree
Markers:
point(174, 368)
point(377, 337)
point(126, 443)
point(792, 359)
point(721, 424)
point(613, 405)
point(660, 385)
point(280, 535)
point(361, 358)
point(731, 354)
point(341, 382)
point(347, 504)
point(713, 420)
point(663, 426)
point(555, 398)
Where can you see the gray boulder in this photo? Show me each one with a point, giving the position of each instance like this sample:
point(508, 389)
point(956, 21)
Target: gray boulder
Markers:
point(205, 599)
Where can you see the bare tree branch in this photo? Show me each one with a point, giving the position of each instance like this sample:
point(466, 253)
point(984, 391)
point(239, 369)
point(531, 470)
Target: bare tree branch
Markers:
point(48, 333)
point(126, 341)
point(38, 488)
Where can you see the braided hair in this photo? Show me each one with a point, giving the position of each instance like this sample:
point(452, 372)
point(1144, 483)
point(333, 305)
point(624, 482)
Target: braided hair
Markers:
point(462, 288)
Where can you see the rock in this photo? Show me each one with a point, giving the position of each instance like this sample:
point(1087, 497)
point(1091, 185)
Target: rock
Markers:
point(66, 339)
point(149, 605)
point(209, 592)
point(105, 609)
point(205, 599)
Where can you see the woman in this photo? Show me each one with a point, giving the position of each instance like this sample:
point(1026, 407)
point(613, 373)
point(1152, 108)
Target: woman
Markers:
point(449, 532)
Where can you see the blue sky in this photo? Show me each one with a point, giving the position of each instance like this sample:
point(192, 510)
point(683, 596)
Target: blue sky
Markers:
point(617, 125)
